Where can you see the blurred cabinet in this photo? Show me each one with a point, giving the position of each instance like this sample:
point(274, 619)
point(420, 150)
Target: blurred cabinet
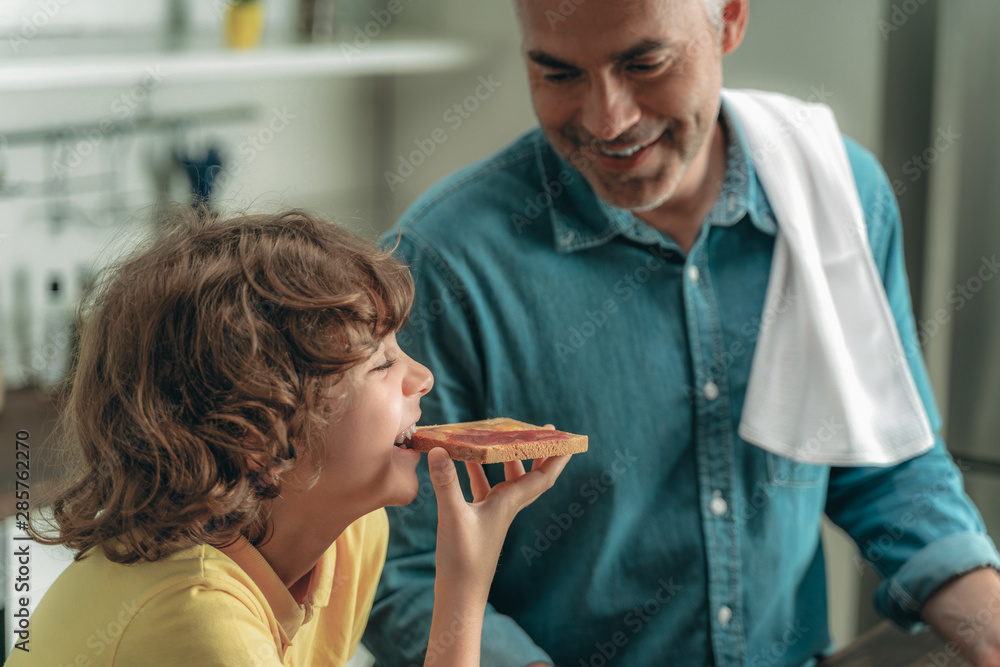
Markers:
point(77, 97)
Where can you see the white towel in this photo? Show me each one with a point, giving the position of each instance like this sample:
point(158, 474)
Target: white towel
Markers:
point(829, 383)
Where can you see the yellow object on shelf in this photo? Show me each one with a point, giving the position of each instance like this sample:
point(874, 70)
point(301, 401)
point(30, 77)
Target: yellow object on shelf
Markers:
point(244, 24)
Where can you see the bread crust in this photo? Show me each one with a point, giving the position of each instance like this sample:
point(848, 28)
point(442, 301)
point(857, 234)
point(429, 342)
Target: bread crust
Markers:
point(521, 443)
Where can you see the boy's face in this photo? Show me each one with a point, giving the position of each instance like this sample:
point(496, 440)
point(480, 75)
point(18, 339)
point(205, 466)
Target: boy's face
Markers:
point(362, 465)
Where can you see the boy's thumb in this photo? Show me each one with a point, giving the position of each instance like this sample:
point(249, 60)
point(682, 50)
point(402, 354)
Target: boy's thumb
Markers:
point(443, 475)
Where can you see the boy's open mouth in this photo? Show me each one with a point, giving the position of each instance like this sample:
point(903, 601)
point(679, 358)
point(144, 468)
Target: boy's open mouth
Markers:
point(403, 439)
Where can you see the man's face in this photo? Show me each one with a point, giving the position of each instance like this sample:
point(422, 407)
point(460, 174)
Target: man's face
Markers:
point(627, 91)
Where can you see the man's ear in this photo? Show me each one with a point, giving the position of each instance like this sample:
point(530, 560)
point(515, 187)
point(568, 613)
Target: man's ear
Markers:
point(734, 24)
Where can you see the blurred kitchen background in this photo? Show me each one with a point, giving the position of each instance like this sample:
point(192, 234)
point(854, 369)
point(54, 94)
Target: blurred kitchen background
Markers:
point(352, 108)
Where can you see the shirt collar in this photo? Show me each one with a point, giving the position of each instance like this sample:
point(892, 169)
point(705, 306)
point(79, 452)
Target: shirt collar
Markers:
point(583, 220)
point(741, 193)
point(289, 614)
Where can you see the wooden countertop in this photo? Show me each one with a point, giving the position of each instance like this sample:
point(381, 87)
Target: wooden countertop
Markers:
point(885, 645)
point(33, 411)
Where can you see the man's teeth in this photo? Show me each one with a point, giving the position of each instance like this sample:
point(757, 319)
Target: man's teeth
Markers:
point(625, 152)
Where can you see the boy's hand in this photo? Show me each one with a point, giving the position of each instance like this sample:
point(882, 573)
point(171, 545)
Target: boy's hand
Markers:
point(470, 535)
point(469, 539)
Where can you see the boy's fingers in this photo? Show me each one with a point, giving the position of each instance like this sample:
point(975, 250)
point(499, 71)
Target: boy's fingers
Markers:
point(513, 470)
point(536, 464)
point(477, 480)
point(444, 477)
point(552, 465)
point(524, 491)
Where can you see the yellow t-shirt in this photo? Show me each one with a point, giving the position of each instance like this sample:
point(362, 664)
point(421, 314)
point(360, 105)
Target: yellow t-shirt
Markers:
point(204, 607)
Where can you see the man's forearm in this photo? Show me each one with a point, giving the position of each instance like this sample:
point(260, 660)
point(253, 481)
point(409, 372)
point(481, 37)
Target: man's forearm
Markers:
point(966, 611)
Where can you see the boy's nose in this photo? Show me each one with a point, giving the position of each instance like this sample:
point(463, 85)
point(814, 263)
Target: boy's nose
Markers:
point(419, 380)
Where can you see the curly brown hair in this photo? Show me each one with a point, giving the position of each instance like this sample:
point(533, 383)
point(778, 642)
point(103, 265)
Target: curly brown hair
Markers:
point(206, 362)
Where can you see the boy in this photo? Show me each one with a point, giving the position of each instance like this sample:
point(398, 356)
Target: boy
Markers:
point(237, 414)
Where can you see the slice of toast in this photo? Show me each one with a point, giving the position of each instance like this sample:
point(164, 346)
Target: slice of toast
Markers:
point(496, 441)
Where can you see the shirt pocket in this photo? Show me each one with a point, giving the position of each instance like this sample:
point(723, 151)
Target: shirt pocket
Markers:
point(785, 472)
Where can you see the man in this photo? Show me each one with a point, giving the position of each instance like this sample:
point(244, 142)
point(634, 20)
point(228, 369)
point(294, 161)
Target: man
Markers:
point(608, 273)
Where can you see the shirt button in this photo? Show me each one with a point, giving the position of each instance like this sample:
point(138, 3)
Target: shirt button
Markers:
point(718, 504)
point(711, 390)
point(725, 615)
point(694, 273)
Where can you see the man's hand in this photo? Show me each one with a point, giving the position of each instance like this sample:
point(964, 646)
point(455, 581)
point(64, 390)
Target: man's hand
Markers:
point(966, 611)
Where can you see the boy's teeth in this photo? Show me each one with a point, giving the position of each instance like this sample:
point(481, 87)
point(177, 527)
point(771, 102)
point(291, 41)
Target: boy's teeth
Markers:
point(406, 435)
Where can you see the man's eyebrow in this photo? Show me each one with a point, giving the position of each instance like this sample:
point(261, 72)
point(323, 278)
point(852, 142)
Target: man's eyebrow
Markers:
point(545, 60)
point(642, 48)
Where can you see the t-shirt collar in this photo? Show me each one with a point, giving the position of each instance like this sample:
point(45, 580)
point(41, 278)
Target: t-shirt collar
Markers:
point(289, 613)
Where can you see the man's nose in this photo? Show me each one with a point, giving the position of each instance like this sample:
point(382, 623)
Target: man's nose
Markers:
point(610, 108)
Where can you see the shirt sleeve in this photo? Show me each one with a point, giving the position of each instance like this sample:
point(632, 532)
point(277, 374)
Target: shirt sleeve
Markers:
point(441, 334)
point(912, 522)
point(200, 625)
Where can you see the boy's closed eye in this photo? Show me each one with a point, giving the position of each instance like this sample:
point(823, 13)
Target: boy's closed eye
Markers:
point(385, 365)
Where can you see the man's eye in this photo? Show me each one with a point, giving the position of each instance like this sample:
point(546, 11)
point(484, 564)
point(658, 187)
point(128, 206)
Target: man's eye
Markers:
point(560, 76)
point(646, 67)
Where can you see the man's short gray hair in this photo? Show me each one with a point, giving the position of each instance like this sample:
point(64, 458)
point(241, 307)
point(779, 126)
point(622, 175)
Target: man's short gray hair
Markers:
point(712, 7)
point(714, 10)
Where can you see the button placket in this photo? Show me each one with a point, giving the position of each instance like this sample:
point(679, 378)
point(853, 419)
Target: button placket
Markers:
point(715, 445)
point(718, 505)
point(711, 390)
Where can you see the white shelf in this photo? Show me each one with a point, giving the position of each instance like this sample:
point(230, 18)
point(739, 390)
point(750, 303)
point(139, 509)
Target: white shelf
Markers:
point(207, 64)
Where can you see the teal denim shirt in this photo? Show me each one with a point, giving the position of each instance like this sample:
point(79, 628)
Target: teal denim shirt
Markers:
point(671, 541)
